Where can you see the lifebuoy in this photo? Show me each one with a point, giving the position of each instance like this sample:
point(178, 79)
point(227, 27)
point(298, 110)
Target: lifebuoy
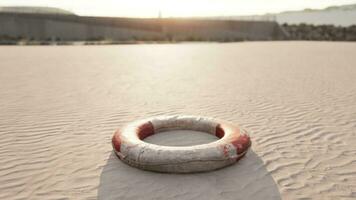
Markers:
point(129, 146)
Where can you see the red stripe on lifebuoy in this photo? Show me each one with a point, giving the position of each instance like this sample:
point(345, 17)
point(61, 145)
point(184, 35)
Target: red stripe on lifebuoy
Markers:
point(242, 143)
point(219, 131)
point(145, 130)
point(116, 141)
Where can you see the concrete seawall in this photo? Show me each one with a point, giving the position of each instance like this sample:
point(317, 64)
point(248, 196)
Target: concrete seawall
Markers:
point(75, 28)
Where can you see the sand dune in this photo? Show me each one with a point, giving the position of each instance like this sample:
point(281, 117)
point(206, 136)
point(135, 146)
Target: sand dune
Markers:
point(59, 107)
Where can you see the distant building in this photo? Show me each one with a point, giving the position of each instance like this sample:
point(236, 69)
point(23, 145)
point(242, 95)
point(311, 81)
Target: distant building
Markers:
point(43, 24)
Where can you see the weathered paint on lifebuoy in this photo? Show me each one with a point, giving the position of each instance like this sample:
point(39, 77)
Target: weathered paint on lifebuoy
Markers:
point(129, 146)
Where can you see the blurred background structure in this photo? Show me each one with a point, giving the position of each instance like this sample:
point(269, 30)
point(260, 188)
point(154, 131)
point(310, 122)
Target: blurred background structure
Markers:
point(50, 24)
point(45, 25)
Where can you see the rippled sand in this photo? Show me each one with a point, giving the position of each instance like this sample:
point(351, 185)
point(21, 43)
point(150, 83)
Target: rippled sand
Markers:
point(59, 107)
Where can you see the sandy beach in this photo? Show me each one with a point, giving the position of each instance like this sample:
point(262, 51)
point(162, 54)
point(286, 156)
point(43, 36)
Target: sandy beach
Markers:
point(60, 105)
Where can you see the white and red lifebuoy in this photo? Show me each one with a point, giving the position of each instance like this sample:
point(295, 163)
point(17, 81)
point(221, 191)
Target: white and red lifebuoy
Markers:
point(129, 146)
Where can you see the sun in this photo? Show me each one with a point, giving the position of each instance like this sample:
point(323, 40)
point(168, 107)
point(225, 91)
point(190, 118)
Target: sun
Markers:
point(186, 8)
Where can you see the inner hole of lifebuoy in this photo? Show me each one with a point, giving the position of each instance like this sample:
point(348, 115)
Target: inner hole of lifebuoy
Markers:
point(179, 136)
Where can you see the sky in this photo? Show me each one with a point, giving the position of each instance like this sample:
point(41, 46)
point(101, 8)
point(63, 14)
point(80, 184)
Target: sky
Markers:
point(177, 8)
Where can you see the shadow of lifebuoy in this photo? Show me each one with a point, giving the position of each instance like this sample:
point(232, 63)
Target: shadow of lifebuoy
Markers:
point(248, 179)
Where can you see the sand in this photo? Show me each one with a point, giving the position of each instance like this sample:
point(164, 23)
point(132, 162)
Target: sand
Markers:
point(59, 107)
point(186, 138)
